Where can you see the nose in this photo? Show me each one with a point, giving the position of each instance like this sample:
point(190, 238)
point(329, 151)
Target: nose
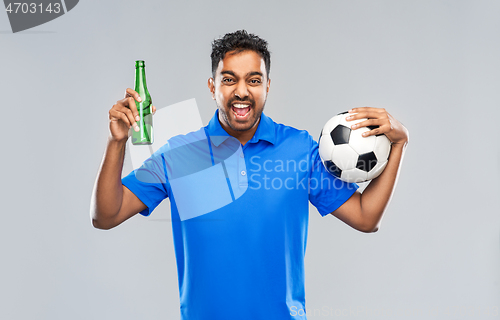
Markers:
point(241, 90)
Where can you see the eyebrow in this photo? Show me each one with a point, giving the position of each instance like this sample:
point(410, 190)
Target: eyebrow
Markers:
point(250, 74)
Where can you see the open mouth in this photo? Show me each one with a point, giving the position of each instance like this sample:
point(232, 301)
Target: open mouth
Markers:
point(241, 111)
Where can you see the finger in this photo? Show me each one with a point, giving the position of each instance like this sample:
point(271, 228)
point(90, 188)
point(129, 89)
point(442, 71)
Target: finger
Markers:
point(132, 93)
point(126, 112)
point(130, 104)
point(374, 132)
point(369, 113)
point(154, 109)
point(367, 123)
point(377, 130)
point(366, 109)
point(115, 115)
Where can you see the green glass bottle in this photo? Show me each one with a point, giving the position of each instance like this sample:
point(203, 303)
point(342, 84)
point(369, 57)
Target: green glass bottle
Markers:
point(145, 133)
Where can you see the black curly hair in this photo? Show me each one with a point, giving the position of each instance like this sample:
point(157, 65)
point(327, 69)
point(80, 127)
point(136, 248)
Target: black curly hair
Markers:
point(239, 41)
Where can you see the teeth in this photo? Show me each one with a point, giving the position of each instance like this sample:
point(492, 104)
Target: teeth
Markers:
point(240, 106)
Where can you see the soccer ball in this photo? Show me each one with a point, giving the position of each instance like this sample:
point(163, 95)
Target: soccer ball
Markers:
point(348, 155)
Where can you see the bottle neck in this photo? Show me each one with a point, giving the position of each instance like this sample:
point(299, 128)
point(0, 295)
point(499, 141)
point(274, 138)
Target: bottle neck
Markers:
point(140, 80)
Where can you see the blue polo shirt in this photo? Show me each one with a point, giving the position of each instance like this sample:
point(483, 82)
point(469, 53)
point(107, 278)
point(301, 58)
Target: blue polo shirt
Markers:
point(240, 217)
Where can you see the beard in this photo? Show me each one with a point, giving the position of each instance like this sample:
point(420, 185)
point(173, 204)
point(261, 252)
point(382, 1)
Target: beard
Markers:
point(226, 114)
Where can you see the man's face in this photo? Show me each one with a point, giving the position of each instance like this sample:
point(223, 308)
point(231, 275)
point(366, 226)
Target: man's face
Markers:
point(240, 90)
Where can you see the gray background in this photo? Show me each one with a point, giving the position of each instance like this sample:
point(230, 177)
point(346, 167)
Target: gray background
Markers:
point(433, 64)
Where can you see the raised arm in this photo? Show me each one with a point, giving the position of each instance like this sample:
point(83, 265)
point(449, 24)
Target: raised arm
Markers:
point(364, 211)
point(112, 203)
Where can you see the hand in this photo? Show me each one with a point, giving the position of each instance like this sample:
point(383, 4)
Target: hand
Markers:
point(392, 128)
point(123, 115)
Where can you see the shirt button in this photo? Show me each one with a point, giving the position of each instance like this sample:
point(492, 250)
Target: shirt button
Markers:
point(242, 155)
point(243, 173)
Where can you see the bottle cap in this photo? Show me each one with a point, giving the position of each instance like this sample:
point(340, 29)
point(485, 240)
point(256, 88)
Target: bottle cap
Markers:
point(140, 63)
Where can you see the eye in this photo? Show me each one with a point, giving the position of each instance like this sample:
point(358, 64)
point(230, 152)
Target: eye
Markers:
point(255, 81)
point(227, 80)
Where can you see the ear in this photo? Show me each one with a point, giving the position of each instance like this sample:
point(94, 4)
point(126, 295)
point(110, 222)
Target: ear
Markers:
point(211, 87)
point(268, 85)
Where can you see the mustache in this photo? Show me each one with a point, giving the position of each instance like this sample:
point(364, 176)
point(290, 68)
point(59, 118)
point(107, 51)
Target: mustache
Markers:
point(233, 101)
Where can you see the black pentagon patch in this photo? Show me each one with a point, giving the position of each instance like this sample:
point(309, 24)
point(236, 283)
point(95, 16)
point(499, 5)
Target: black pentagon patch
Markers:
point(333, 169)
point(343, 113)
point(320, 134)
point(367, 161)
point(374, 127)
point(340, 135)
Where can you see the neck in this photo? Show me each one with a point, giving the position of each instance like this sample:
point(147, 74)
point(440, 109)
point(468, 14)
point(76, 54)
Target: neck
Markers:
point(140, 80)
point(242, 136)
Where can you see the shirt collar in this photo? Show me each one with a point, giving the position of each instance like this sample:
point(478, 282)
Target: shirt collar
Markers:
point(265, 130)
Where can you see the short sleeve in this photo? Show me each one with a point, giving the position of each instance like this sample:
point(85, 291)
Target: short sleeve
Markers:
point(149, 182)
point(326, 192)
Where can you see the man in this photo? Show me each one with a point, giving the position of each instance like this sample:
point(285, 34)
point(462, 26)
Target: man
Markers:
point(243, 260)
